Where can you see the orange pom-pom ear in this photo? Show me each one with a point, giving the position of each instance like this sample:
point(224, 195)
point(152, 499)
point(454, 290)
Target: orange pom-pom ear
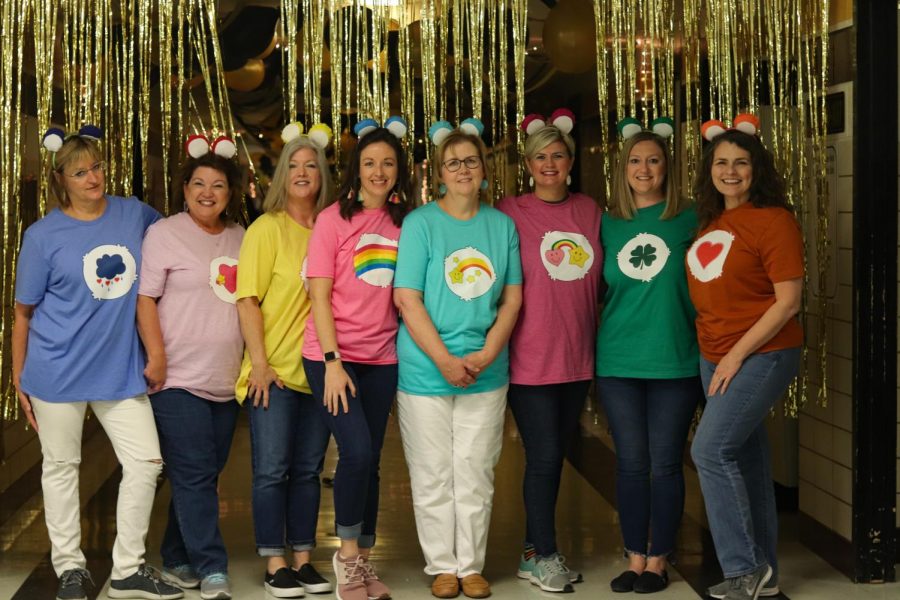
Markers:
point(712, 129)
point(748, 123)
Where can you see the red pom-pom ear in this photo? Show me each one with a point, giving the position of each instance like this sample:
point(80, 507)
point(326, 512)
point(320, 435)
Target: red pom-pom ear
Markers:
point(747, 122)
point(196, 145)
point(712, 129)
point(224, 147)
point(563, 119)
point(532, 123)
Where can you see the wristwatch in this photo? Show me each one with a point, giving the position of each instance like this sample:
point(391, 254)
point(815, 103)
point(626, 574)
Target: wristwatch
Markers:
point(331, 356)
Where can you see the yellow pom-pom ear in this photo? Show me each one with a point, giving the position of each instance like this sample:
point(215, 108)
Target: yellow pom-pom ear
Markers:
point(320, 134)
point(291, 131)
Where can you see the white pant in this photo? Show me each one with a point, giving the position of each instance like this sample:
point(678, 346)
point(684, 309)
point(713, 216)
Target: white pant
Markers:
point(452, 444)
point(132, 431)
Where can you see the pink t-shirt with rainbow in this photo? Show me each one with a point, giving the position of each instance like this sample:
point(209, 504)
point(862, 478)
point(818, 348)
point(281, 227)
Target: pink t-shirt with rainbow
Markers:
point(360, 256)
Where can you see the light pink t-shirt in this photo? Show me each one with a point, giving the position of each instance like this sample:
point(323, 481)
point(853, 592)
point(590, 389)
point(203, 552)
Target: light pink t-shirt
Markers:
point(194, 275)
point(562, 261)
point(360, 256)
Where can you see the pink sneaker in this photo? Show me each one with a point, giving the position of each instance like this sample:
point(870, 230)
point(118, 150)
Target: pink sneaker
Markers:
point(350, 574)
point(375, 588)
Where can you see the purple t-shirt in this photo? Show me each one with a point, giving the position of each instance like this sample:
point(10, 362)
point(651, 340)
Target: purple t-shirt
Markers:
point(562, 258)
point(360, 256)
point(194, 275)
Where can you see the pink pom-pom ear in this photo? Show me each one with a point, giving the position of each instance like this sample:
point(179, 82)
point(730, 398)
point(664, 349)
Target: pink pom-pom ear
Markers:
point(712, 129)
point(223, 146)
point(291, 131)
point(748, 123)
point(320, 134)
point(196, 145)
point(53, 139)
point(532, 123)
point(563, 119)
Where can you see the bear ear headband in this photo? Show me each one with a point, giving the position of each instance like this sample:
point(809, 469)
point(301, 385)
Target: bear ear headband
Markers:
point(439, 130)
point(197, 145)
point(562, 118)
point(54, 137)
point(746, 122)
point(396, 125)
point(664, 127)
point(320, 133)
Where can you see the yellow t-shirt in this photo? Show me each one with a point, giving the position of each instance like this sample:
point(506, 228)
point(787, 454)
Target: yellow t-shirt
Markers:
point(271, 264)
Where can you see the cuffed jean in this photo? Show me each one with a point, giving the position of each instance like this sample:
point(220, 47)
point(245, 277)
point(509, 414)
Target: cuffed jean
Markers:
point(731, 452)
point(195, 438)
point(359, 434)
point(547, 419)
point(288, 441)
point(649, 419)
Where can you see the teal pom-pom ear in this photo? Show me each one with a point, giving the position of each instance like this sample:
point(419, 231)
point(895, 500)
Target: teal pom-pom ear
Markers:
point(472, 126)
point(438, 131)
point(397, 125)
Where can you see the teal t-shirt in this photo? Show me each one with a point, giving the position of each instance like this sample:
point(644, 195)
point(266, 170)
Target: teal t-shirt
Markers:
point(461, 268)
point(647, 324)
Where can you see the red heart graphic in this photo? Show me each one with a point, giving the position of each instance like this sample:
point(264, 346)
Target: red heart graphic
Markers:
point(708, 251)
point(554, 257)
point(99, 281)
point(116, 279)
point(229, 273)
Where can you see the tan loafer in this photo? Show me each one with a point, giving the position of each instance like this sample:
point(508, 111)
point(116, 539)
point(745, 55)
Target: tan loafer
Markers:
point(476, 586)
point(445, 585)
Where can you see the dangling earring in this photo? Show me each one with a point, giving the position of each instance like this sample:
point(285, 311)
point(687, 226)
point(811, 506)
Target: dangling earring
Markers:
point(350, 194)
point(484, 184)
point(568, 180)
point(394, 198)
point(442, 189)
point(531, 182)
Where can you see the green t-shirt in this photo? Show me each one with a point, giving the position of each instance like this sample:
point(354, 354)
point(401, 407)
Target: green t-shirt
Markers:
point(647, 324)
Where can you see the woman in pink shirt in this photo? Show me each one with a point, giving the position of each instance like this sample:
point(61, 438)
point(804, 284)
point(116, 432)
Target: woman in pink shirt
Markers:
point(188, 323)
point(349, 351)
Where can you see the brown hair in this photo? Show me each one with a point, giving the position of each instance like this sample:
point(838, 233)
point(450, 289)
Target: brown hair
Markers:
point(226, 167)
point(74, 148)
point(454, 138)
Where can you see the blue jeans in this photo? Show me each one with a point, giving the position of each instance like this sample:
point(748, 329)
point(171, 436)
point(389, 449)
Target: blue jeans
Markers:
point(288, 442)
point(547, 418)
point(649, 419)
point(195, 437)
point(359, 434)
point(731, 452)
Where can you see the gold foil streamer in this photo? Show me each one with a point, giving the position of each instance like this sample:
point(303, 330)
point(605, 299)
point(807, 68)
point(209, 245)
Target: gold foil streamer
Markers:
point(288, 26)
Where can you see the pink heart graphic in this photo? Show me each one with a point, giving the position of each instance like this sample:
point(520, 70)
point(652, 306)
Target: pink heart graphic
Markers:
point(229, 272)
point(707, 252)
point(554, 257)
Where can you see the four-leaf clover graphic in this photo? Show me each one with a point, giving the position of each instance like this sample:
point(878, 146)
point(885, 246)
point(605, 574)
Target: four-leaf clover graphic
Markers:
point(643, 256)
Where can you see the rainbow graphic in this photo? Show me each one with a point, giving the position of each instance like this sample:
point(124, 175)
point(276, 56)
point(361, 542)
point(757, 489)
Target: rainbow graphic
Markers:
point(474, 263)
point(374, 256)
point(564, 243)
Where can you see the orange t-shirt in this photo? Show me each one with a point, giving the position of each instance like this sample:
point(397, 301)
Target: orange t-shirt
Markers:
point(732, 268)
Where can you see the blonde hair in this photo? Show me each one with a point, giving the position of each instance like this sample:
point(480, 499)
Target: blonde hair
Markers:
point(545, 136)
point(621, 203)
point(73, 149)
point(454, 138)
point(276, 196)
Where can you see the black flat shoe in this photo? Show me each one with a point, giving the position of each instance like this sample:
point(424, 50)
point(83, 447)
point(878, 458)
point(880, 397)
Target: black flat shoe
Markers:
point(624, 582)
point(649, 582)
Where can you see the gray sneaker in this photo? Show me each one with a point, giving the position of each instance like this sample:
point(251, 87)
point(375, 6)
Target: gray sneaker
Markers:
point(551, 575)
point(749, 586)
point(71, 585)
point(526, 566)
point(718, 591)
point(215, 586)
point(184, 576)
point(145, 583)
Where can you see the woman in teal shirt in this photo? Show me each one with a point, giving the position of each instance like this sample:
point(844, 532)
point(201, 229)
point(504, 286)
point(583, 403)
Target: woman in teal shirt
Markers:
point(647, 358)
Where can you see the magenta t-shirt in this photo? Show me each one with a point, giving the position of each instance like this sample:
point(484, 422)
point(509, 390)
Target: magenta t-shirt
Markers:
point(562, 261)
point(360, 256)
point(194, 275)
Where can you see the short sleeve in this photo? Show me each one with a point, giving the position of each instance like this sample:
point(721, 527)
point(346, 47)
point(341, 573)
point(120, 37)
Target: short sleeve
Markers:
point(257, 258)
point(149, 215)
point(32, 272)
point(154, 256)
point(514, 271)
point(412, 254)
point(781, 248)
point(323, 246)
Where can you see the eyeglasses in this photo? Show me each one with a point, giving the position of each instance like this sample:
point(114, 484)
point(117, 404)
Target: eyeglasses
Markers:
point(471, 162)
point(79, 175)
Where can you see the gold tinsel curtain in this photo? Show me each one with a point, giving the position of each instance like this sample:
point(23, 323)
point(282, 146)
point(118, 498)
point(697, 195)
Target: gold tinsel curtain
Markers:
point(151, 71)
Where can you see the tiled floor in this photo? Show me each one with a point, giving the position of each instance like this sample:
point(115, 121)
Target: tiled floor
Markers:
point(588, 534)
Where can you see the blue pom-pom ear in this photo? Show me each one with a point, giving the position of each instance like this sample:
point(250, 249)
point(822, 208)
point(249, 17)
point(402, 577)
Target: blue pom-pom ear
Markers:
point(365, 126)
point(397, 125)
point(91, 132)
point(53, 139)
point(663, 126)
point(438, 131)
point(472, 126)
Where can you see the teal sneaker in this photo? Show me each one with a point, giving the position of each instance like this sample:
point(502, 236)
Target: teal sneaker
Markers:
point(184, 576)
point(551, 575)
point(527, 563)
